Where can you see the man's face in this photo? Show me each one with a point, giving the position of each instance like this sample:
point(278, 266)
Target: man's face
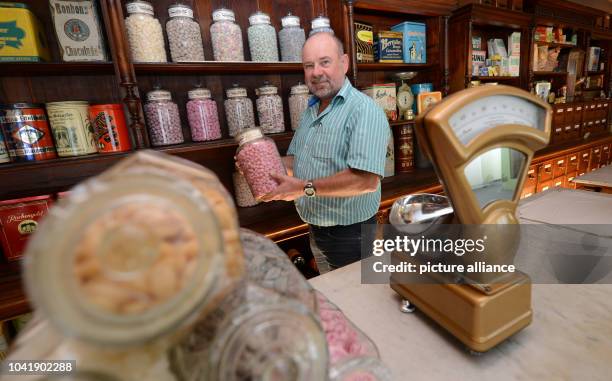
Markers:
point(324, 66)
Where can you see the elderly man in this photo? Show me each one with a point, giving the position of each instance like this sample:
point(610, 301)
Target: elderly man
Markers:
point(336, 158)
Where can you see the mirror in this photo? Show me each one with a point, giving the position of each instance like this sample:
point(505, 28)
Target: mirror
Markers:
point(494, 175)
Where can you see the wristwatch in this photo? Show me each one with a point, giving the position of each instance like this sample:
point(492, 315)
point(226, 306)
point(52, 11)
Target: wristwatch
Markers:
point(309, 189)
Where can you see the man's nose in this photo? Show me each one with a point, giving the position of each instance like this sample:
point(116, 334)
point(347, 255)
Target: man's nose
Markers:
point(317, 71)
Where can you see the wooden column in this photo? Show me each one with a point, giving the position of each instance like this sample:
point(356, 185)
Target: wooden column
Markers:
point(446, 73)
point(349, 39)
point(112, 11)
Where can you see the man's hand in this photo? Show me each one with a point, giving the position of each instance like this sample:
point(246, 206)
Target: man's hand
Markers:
point(289, 188)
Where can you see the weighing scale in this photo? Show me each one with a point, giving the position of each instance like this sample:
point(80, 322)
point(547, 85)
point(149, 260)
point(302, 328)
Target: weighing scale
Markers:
point(481, 141)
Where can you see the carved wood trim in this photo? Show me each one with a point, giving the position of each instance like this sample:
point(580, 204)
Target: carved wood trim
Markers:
point(350, 35)
point(445, 78)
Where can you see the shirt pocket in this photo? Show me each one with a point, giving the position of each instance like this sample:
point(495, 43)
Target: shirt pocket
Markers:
point(325, 145)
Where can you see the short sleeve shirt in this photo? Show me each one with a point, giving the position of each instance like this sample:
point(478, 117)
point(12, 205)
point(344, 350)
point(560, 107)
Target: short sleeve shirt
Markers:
point(352, 132)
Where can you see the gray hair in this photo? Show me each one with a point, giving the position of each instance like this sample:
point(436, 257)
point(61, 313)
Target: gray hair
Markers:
point(339, 44)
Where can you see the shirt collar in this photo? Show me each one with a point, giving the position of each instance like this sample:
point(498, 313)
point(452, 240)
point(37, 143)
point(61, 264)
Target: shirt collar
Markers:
point(341, 94)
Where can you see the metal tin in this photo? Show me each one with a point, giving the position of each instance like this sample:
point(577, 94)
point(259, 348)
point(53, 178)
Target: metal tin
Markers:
point(72, 130)
point(18, 220)
point(22, 37)
point(109, 127)
point(26, 131)
point(4, 157)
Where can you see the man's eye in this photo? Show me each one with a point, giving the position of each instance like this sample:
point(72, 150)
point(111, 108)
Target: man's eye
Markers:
point(325, 63)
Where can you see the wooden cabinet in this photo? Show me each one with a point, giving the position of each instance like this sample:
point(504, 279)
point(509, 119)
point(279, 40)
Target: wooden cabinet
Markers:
point(584, 159)
point(559, 167)
point(545, 171)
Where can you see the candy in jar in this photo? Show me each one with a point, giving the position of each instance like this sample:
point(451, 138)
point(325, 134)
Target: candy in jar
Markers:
point(184, 36)
point(291, 38)
point(244, 197)
point(163, 118)
point(226, 36)
point(238, 110)
point(262, 38)
point(270, 109)
point(144, 33)
point(257, 157)
point(202, 116)
point(298, 102)
point(320, 24)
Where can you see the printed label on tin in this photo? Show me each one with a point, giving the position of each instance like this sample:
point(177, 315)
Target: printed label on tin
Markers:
point(27, 135)
point(73, 132)
point(4, 157)
point(78, 30)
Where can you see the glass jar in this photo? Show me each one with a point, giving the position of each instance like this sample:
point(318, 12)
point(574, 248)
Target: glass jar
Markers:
point(144, 32)
point(320, 24)
point(226, 36)
point(163, 118)
point(238, 110)
point(184, 35)
point(262, 38)
point(202, 116)
point(244, 197)
point(298, 103)
point(270, 109)
point(257, 157)
point(291, 38)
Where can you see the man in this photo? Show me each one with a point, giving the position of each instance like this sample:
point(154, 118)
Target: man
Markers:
point(336, 158)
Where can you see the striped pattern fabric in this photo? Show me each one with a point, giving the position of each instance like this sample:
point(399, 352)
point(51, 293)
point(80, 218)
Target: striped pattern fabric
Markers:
point(352, 132)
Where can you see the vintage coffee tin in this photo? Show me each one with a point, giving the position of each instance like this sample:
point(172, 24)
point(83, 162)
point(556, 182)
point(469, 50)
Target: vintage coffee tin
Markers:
point(4, 157)
point(109, 127)
point(26, 132)
point(388, 46)
point(18, 220)
point(71, 128)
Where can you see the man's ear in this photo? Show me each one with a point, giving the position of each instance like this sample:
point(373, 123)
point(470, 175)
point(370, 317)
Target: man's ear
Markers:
point(345, 62)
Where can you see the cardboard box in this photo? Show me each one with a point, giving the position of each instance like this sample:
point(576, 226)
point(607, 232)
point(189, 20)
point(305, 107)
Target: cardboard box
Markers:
point(514, 44)
point(384, 94)
point(22, 36)
point(415, 41)
point(514, 66)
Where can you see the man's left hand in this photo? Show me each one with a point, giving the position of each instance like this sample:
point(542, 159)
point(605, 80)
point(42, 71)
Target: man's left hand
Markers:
point(289, 188)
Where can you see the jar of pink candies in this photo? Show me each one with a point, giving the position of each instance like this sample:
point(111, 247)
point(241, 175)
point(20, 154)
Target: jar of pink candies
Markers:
point(298, 102)
point(202, 116)
point(257, 157)
point(163, 118)
point(238, 110)
point(244, 197)
point(352, 355)
point(270, 109)
point(226, 36)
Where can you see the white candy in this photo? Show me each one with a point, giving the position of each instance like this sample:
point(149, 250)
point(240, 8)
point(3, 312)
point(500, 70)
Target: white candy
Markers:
point(146, 38)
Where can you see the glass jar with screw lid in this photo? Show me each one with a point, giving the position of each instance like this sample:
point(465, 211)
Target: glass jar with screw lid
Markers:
point(202, 116)
point(270, 109)
point(163, 120)
point(320, 24)
point(291, 38)
point(262, 38)
point(144, 32)
point(184, 35)
point(226, 36)
point(238, 110)
point(298, 103)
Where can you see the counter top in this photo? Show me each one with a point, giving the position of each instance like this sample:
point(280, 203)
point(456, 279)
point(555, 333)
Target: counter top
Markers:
point(570, 337)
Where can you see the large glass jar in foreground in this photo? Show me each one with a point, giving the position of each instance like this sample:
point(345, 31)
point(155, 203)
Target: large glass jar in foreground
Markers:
point(226, 36)
point(262, 38)
point(238, 110)
point(184, 36)
point(270, 109)
point(257, 157)
point(144, 33)
point(163, 120)
point(291, 38)
point(202, 115)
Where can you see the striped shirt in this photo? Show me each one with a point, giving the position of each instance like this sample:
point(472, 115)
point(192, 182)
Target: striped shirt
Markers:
point(352, 132)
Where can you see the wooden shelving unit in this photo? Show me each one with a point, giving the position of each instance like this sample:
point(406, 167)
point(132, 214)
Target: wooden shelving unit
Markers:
point(215, 67)
point(55, 68)
point(392, 66)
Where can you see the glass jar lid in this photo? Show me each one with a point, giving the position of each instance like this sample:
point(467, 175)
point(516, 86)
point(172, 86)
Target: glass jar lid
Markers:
point(140, 6)
point(249, 134)
point(236, 91)
point(320, 22)
point(267, 90)
point(180, 10)
point(223, 14)
point(159, 95)
point(129, 257)
point(299, 89)
point(290, 20)
point(198, 93)
point(258, 18)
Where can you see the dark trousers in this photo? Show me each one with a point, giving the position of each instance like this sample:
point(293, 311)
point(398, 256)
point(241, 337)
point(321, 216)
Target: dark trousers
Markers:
point(341, 244)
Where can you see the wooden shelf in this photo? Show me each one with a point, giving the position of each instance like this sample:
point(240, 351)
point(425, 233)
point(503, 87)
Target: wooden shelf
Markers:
point(218, 67)
point(392, 66)
point(555, 44)
point(596, 72)
point(55, 68)
point(495, 77)
point(550, 73)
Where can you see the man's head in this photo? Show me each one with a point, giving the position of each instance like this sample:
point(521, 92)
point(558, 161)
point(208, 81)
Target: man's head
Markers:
point(325, 64)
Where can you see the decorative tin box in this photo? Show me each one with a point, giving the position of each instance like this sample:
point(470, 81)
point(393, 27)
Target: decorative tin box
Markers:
point(415, 42)
point(388, 47)
point(21, 35)
point(384, 95)
point(18, 220)
point(364, 41)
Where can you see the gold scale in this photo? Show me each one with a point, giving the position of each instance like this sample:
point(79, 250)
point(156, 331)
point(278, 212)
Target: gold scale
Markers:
point(480, 141)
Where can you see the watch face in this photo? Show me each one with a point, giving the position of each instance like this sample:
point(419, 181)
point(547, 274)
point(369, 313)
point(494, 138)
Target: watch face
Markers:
point(309, 191)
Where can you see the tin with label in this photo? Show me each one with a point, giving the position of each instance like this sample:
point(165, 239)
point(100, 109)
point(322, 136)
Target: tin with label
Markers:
point(18, 220)
point(26, 132)
point(110, 130)
point(72, 130)
point(4, 157)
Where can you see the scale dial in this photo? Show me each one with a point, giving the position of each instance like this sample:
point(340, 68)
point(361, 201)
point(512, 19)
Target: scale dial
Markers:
point(489, 112)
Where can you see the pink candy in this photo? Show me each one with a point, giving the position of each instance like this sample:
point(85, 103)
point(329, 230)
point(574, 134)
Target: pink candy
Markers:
point(257, 160)
point(342, 339)
point(203, 120)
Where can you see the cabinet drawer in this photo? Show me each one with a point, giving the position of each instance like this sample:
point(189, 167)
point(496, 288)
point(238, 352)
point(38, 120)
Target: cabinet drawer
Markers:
point(595, 158)
point(545, 171)
point(531, 179)
point(577, 113)
point(559, 167)
point(572, 163)
point(559, 115)
point(558, 182)
point(544, 186)
point(557, 135)
point(569, 181)
point(605, 154)
point(528, 191)
point(584, 158)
